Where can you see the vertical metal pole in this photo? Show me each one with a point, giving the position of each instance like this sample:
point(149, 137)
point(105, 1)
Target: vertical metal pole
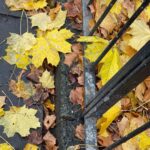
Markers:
point(89, 80)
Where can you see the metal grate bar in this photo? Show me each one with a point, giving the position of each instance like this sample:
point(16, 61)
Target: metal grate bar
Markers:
point(121, 32)
point(121, 75)
point(102, 17)
point(129, 136)
point(89, 82)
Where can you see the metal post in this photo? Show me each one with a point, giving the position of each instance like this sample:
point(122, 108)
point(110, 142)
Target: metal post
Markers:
point(90, 122)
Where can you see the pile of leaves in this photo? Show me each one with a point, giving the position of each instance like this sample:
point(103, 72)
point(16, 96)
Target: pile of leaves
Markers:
point(39, 54)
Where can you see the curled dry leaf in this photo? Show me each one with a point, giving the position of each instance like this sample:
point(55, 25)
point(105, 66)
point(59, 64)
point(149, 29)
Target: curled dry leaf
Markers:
point(35, 137)
point(50, 141)
point(81, 79)
point(49, 121)
point(105, 141)
point(34, 74)
point(76, 95)
point(79, 132)
point(139, 91)
point(76, 52)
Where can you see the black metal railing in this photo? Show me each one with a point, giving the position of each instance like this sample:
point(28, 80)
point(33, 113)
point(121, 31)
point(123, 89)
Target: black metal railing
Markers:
point(134, 72)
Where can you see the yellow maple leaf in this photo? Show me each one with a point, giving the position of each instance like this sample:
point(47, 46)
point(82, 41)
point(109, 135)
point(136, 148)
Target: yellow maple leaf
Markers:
point(5, 146)
point(95, 48)
point(47, 80)
point(107, 118)
point(32, 4)
point(44, 22)
point(29, 146)
point(117, 6)
point(111, 65)
point(18, 48)
point(140, 32)
point(25, 4)
point(48, 46)
point(19, 121)
point(41, 20)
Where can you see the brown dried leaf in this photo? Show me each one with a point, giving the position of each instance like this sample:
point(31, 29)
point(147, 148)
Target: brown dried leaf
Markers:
point(49, 121)
point(122, 125)
point(105, 141)
point(21, 89)
point(76, 95)
point(50, 141)
point(139, 91)
point(35, 137)
point(81, 79)
point(147, 95)
point(147, 82)
point(79, 132)
point(69, 58)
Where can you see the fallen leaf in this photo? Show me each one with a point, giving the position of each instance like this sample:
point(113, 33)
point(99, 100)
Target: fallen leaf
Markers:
point(79, 132)
point(49, 105)
point(146, 96)
point(76, 96)
point(142, 140)
point(50, 141)
point(123, 124)
point(20, 121)
point(147, 82)
point(105, 141)
point(5, 146)
point(47, 80)
point(21, 89)
point(140, 32)
point(49, 121)
point(104, 122)
point(44, 22)
point(69, 58)
point(94, 49)
point(139, 91)
point(18, 49)
point(29, 146)
point(39, 97)
point(35, 137)
point(81, 79)
point(111, 65)
point(41, 20)
point(25, 4)
point(74, 9)
point(49, 46)
point(2, 101)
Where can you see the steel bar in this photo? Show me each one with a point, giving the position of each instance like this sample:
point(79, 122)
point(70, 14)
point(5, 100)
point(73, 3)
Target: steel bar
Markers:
point(129, 136)
point(135, 77)
point(102, 17)
point(133, 62)
point(121, 32)
point(89, 81)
